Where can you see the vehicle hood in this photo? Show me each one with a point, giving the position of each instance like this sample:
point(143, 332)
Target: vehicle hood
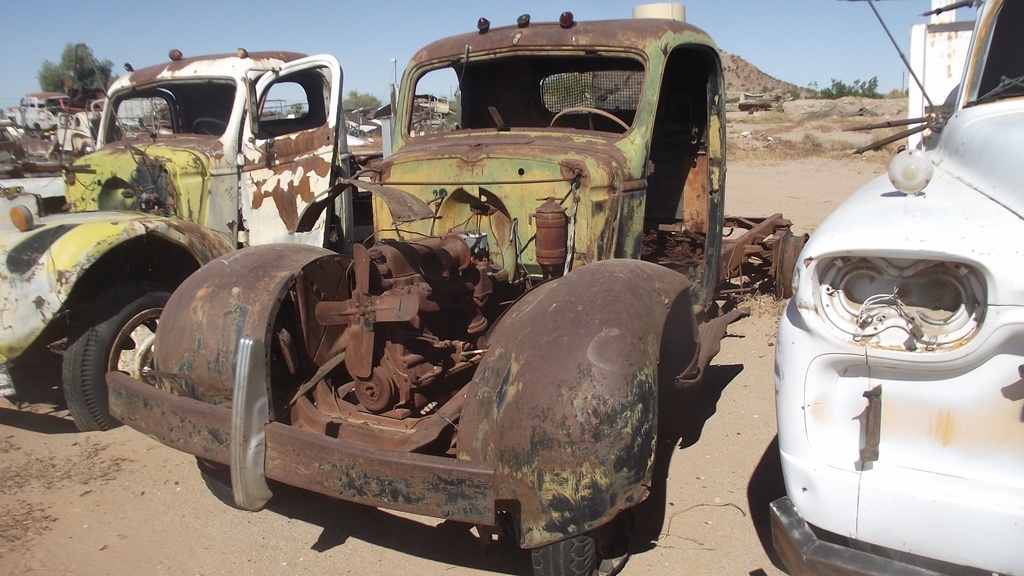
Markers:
point(950, 220)
point(163, 178)
point(982, 146)
point(511, 162)
point(495, 183)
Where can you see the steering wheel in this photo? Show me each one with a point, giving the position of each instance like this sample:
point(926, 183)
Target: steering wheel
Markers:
point(211, 126)
point(589, 110)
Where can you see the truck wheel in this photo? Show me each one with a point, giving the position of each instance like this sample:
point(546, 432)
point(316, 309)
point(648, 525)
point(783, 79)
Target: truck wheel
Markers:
point(602, 552)
point(576, 556)
point(117, 334)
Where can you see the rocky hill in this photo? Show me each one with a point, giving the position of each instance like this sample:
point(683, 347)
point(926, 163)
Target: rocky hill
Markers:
point(742, 76)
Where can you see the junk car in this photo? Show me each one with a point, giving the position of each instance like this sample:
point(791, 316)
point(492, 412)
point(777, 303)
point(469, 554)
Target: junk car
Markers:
point(503, 350)
point(899, 368)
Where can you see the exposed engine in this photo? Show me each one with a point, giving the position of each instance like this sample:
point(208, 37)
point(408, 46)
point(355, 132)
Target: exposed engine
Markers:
point(412, 335)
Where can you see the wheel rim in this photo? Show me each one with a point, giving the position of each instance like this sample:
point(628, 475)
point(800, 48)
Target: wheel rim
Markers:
point(132, 352)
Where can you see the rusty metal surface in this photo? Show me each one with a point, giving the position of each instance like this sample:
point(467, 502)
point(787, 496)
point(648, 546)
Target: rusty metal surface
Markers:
point(417, 483)
point(212, 64)
point(194, 427)
point(403, 206)
point(758, 249)
point(564, 404)
point(236, 295)
point(621, 34)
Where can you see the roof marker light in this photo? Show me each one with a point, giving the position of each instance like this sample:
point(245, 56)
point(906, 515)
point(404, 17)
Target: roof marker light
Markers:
point(242, 53)
point(566, 20)
point(523, 21)
point(175, 55)
point(483, 25)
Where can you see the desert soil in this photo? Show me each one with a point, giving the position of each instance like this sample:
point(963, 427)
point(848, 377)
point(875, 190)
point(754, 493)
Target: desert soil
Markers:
point(118, 502)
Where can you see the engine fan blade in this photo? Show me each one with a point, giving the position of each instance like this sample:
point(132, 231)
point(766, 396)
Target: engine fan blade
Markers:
point(384, 308)
point(359, 355)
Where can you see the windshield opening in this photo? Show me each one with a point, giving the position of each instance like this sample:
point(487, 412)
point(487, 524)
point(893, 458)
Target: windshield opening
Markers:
point(1002, 70)
point(202, 108)
point(592, 93)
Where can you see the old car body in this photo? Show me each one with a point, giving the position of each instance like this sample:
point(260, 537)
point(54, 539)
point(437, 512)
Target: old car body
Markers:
point(506, 351)
point(899, 363)
point(186, 170)
point(75, 132)
point(38, 111)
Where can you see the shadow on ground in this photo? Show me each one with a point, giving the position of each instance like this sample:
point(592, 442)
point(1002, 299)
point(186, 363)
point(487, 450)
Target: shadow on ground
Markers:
point(38, 405)
point(690, 408)
point(450, 543)
point(766, 485)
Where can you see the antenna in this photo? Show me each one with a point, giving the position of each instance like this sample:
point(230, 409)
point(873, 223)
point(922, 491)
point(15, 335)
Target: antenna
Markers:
point(906, 62)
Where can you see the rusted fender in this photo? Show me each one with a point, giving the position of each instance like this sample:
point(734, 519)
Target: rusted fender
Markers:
point(236, 295)
point(40, 268)
point(565, 402)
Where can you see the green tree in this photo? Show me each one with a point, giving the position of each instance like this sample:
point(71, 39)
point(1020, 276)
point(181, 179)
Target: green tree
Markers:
point(859, 88)
point(360, 100)
point(78, 73)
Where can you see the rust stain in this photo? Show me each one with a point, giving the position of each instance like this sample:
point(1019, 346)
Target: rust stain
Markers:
point(151, 73)
point(639, 33)
point(944, 427)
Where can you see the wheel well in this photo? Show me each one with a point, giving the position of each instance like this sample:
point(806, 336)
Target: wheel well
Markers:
point(142, 259)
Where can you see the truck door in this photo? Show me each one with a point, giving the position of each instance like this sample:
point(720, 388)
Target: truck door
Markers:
point(288, 150)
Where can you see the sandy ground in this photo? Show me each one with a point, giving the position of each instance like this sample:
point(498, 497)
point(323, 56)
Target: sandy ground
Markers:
point(118, 502)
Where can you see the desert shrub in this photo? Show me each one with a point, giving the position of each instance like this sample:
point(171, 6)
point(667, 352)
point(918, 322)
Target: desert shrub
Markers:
point(859, 88)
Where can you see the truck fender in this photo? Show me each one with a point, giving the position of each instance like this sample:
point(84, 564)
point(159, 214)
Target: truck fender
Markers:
point(234, 297)
point(44, 271)
point(565, 402)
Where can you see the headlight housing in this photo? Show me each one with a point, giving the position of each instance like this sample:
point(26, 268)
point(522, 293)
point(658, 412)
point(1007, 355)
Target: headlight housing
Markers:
point(913, 305)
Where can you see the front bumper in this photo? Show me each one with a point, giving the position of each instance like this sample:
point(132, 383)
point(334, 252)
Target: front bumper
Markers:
point(447, 488)
point(804, 554)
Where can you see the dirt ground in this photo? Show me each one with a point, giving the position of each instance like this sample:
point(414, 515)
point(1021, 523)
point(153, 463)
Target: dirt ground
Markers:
point(118, 502)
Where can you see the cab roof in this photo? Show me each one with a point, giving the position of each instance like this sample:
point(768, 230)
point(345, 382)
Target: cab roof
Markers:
point(646, 34)
point(216, 65)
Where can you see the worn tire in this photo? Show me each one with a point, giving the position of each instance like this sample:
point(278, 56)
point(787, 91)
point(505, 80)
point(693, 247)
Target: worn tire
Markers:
point(576, 556)
point(116, 334)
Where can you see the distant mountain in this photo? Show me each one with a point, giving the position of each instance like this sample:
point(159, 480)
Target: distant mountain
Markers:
point(742, 76)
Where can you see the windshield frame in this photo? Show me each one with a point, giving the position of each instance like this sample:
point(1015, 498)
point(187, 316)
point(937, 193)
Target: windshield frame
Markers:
point(113, 129)
point(571, 60)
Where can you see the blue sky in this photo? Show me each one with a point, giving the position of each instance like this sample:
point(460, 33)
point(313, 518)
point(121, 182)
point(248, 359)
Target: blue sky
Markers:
point(798, 41)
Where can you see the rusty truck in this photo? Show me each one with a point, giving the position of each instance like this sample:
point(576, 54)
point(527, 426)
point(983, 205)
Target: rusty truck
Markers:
point(507, 347)
point(187, 168)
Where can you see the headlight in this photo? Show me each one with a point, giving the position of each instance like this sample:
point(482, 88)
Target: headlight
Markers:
point(916, 305)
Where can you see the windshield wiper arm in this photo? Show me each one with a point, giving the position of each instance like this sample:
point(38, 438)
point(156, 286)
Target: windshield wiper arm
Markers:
point(1005, 83)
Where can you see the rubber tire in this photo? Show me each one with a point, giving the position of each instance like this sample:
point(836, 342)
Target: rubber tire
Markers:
point(576, 556)
point(88, 357)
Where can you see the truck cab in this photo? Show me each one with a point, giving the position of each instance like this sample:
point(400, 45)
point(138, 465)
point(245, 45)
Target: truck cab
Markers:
point(187, 167)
